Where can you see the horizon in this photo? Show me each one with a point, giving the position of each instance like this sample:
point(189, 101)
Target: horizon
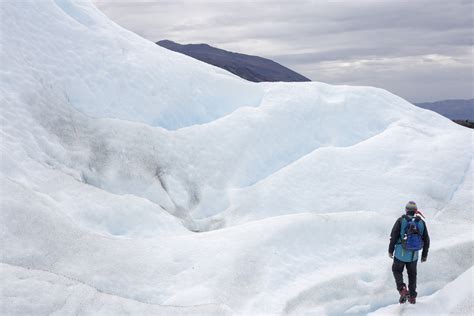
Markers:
point(420, 51)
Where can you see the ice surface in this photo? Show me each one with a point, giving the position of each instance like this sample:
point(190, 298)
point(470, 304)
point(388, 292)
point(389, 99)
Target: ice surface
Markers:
point(116, 151)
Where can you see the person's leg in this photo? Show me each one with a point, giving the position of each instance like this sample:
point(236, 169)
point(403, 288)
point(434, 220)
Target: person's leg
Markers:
point(411, 269)
point(397, 269)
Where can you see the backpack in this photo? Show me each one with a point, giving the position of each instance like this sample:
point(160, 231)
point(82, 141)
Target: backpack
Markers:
point(411, 237)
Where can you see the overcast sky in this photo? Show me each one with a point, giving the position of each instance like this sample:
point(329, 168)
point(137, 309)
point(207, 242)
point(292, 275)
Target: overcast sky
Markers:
point(421, 50)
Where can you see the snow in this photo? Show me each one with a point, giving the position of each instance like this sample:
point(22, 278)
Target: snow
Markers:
point(137, 180)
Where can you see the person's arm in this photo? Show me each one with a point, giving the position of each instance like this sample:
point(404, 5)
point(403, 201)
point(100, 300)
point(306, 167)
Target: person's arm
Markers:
point(394, 236)
point(426, 243)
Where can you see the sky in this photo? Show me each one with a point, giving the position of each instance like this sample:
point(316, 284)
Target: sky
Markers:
point(421, 50)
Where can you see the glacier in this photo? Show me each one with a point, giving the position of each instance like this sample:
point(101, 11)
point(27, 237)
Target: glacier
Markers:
point(136, 180)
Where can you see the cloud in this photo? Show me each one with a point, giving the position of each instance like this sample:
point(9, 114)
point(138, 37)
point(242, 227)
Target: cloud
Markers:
point(366, 42)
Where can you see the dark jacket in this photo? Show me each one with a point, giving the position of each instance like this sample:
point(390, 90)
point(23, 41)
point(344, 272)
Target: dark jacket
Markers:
point(395, 237)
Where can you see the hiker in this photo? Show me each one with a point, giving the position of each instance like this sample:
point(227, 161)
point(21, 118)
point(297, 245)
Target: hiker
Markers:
point(409, 235)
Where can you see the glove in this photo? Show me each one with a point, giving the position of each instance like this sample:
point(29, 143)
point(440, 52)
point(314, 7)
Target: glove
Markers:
point(423, 259)
point(390, 255)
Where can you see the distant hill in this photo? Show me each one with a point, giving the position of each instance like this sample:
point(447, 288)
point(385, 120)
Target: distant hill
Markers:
point(453, 109)
point(252, 68)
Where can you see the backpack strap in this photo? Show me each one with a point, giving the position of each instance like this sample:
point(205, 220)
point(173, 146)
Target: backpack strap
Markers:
point(403, 225)
point(420, 225)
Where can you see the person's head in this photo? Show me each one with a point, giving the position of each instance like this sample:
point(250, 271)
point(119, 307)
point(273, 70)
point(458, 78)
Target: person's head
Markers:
point(411, 208)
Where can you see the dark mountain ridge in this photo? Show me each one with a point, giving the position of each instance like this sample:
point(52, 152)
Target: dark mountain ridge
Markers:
point(252, 68)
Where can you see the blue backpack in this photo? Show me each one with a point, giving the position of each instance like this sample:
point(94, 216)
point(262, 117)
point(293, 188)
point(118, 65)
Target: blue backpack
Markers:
point(411, 236)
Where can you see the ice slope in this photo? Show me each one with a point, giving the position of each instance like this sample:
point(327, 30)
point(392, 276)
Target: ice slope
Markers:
point(37, 292)
point(115, 150)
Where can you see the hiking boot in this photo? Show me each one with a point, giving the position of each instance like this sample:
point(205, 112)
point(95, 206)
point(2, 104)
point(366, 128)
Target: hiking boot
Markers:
point(403, 295)
point(412, 299)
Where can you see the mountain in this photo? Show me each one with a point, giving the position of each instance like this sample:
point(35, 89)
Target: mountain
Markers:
point(136, 180)
point(252, 68)
point(453, 109)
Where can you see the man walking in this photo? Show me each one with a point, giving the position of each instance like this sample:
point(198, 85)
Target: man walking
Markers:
point(409, 235)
